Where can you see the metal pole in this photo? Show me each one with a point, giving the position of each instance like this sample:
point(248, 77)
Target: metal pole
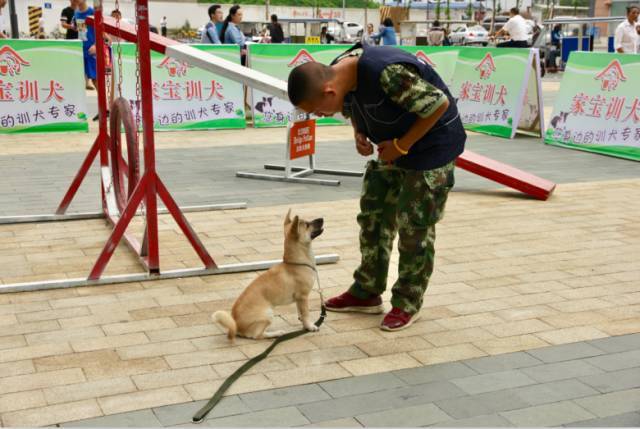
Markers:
point(13, 18)
point(344, 5)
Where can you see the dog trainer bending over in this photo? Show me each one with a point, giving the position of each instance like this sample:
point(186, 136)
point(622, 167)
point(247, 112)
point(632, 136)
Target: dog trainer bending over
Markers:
point(285, 283)
point(399, 103)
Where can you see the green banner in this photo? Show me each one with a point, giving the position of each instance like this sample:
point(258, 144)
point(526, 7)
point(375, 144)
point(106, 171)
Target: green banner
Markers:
point(278, 60)
point(186, 97)
point(42, 87)
point(491, 86)
point(441, 58)
point(598, 106)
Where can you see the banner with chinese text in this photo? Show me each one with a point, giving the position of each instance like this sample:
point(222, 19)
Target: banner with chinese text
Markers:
point(441, 58)
point(598, 106)
point(42, 87)
point(186, 97)
point(278, 60)
point(492, 85)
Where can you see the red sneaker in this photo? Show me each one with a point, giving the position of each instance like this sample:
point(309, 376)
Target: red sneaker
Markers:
point(349, 303)
point(398, 319)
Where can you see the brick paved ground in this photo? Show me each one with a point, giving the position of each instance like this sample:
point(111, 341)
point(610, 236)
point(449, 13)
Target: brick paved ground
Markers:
point(512, 275)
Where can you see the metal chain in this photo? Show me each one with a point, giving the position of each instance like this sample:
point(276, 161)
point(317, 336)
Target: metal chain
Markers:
point(119, 50)
point(138, 104)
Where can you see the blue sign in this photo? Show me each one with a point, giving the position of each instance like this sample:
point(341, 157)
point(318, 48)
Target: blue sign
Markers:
point(47, 5)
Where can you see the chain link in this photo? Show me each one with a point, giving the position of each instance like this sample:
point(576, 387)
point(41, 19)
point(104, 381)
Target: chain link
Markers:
point(119, 50)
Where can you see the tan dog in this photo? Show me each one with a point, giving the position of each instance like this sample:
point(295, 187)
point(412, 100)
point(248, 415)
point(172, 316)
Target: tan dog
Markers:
point(285, 283)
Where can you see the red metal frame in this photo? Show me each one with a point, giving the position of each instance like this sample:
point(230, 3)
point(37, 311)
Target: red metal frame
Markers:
point(150, 186)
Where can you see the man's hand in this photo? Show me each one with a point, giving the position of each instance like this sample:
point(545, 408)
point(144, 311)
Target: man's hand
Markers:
point(92, 50)
point(388, 152)
point(363, 146)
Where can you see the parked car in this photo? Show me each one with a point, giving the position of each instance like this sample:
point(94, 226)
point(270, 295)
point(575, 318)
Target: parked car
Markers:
point(469, 35)
point(497, 25)
point(345, 32)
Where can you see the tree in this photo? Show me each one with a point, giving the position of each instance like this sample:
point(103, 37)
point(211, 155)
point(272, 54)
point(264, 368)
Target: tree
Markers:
point(438, 10)
point(447, 11)
point(493, 16)
point(470, 10)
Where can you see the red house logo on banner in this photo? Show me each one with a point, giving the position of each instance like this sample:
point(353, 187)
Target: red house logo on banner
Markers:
point(174, 67)
point(11, 62)
point(611, 76)
point(302, 57)
point(486, 66)
point(425, 59)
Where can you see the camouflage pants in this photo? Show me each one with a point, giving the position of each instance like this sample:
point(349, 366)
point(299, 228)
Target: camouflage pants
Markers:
point(408, 202)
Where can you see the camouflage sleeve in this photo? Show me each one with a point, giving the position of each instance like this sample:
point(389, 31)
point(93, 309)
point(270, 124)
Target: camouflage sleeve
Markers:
point(403, 85)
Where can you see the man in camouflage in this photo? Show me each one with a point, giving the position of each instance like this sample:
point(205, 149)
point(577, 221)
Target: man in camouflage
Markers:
point(399, 103)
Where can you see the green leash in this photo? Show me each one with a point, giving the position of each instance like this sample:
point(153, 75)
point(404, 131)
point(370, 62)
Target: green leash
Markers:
point(200, 415)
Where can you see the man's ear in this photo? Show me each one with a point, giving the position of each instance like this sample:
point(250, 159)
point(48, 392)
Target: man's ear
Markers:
point(294, 227)
point(287, 219)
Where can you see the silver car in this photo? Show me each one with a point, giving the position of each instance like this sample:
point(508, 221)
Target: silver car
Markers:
point(469, 35)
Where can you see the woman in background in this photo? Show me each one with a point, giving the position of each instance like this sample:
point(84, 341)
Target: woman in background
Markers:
point(386, 33)
point(231, 33)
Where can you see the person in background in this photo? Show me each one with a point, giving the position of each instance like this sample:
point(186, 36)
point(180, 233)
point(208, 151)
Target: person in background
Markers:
point(66, 20)
point(367, 38)
point(211, 33)
point(232, 34)
point(88, 37)
point(554, 50)
point(325, 37)
point(163, 26)
point(3, 35)
point(516, 27)
point(275, 30)
point(626, 38)
point(386, 34)
point(41, 31)
point(436, 34)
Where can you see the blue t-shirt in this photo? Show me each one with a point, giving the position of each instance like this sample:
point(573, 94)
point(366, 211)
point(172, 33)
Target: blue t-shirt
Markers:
point(86, 33)
point(210, 34)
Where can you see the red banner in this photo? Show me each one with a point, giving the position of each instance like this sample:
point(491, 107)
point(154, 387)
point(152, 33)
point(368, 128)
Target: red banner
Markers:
point(303, 138)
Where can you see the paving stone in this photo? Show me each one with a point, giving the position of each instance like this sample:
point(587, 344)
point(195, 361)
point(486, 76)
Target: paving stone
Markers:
point(610, 404)
point(565, 352)
point(417, 415)
point(492, 420)
point(619, 343)
point(561, 370)
point(616, 361)
point(338, 423)
point(621, 420)
point(279, 417)
point(494, 381)
point(279, 398)
point(143, 418)
point(436, 372)
point(554, 391)
point(363, 384)
point(615, 380)
point(484, 403)
point(502, 362)
point(172, 415)
point(555, 414)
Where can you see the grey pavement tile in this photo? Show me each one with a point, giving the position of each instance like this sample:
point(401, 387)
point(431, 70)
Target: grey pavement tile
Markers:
point(493, 381)
point(561, 370)
point(351, 406)
point(142, 418)
point(554, 414)
point(279, 398)
point(620, 343)
point(615, 380)
point(491, 420)
point(502, 362)
point(554, 391)
point(349, 422)
point(616, 361)
point(565, 352)
point(279, 417)
point(619, 421)
point(417, 415)
point(437, 372)
point(484, 403)
point(362, 384)
point(610, 404)
point(172, 415)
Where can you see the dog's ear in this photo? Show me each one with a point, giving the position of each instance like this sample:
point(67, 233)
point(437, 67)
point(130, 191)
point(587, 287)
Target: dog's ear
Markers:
point(287, 219)
point(294, 226)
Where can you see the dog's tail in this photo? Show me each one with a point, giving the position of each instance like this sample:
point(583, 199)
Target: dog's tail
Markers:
point(225, 319)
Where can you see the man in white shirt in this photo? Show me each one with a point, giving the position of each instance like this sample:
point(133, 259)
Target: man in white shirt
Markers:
point(3, 35)
point(516, 27)
point(626, 40)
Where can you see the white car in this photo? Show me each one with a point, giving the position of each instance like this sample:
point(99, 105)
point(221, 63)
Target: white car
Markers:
point(469, 35)
point(345, 32)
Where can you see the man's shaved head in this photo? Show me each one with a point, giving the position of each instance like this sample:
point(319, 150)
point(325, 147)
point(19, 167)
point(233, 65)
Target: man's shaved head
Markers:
point(306, 81)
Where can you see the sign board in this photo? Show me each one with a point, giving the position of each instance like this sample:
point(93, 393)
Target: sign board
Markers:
point(186, 97)
point(312, 40)
point(498, 90)
point(598, 106)
point(42, 86)
point(278, 60)
point(302, 138)
point(441, 58)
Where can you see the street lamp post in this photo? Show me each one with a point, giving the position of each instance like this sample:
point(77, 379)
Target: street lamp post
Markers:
point(13, 18)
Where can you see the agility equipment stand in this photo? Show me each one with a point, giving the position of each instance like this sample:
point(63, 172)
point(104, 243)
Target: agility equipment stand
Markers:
point(121, 203)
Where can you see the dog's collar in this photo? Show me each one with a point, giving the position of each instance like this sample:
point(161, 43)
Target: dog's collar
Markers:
point(303, 264)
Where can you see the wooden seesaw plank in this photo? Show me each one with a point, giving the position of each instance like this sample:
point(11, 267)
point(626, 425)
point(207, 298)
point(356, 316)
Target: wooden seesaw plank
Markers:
point(506, 175)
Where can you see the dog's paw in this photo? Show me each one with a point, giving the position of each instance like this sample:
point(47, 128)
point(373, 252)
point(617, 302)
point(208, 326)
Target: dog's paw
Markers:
point(311, 328)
